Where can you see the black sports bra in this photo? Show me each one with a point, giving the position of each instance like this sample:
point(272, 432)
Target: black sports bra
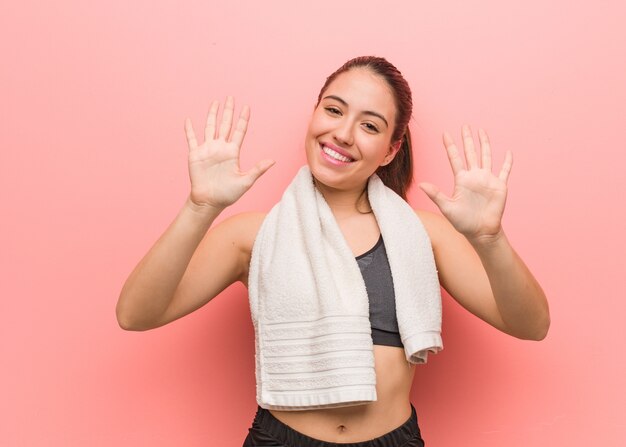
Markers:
point(382, 301)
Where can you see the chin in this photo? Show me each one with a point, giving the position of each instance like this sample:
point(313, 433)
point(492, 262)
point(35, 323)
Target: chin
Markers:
point(335, 180)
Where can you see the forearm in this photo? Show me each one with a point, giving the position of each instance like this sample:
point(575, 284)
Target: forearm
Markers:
point(150, 287)
point(521, 302)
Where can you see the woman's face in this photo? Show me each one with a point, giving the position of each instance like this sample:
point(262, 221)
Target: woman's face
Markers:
point(349, 135)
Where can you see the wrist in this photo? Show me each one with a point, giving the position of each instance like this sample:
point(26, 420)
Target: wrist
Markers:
point(488, 241)
point(203, 210)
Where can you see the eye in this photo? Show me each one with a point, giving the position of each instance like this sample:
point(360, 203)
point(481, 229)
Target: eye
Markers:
point(371, 127)
point(333, 110)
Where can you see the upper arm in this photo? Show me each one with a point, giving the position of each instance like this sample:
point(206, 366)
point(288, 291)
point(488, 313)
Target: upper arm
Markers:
point(460, 270)
point(222, 258)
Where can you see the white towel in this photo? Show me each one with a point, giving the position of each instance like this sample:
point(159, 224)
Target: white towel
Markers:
point(309, 304)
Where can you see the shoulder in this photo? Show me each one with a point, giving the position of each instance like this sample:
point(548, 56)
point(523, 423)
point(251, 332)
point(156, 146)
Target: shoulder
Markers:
point(437, 227)
point(245, 220)
point(242, 228)
point(428, 218)
point(444, 238)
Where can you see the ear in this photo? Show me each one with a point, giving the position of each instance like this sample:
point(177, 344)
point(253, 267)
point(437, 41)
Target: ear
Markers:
point(391, 154)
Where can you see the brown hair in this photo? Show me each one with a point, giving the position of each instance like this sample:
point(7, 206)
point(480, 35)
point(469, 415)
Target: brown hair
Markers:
point(397, 175)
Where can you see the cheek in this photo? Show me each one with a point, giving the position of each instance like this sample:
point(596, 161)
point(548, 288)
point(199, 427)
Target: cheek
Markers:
point(376, 147)
point(320, 123)
point(313, 131)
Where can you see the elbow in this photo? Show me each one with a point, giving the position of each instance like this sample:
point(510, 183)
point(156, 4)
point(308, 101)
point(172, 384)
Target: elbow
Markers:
point(535, 330)
point(126, 324)
point(544, 327)
point(541, 330)
point(133, 317)
point(122, 315)
point(125, 319)
point(540, 325)
point(129, 325)
point(538, 336)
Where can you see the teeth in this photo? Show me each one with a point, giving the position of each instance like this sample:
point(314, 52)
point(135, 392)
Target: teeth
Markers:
point(336, 155)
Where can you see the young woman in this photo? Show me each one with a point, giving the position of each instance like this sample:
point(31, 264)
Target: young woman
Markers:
point(359, 128)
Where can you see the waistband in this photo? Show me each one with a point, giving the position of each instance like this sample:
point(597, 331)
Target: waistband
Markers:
point(290, 437)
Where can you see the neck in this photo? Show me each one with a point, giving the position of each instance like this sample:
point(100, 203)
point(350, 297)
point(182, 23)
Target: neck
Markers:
point(344, 203)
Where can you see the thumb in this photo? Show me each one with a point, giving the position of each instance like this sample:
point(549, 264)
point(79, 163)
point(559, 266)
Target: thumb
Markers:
point(434, 194)
point(259, 169)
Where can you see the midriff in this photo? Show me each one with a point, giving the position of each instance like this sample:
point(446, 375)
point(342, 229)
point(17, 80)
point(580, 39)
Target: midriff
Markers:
point(394, 377)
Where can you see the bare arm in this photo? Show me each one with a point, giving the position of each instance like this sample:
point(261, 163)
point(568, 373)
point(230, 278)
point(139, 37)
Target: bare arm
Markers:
point(519, 298)
point(491, 280)
point(476, 263)
point(147, 293)
point(165, 284)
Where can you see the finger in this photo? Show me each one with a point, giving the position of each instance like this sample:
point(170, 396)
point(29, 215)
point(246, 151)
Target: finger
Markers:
point(211, 120)
point(227, 118)
point(259, 169)
point(468, 147)
point(434, 194)
point(485, 149)
point(189, 133)
point(453, 154)
point(506, 167)
point(242, 126)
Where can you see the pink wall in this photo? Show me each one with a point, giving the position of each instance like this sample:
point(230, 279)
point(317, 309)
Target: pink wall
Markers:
point(93, 98)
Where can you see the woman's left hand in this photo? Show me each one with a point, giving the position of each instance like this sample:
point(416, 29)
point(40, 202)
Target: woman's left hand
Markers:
point(477, 203)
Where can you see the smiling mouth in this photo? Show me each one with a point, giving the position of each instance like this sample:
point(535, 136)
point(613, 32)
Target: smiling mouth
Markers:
point(335, 156)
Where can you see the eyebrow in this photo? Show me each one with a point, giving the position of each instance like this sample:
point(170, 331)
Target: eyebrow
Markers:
point(366, 112)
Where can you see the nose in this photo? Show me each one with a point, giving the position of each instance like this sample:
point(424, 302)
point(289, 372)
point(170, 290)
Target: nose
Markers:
point(344, 133)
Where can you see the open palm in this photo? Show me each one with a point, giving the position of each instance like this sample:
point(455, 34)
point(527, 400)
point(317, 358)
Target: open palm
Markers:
point(216, 178)
point(477, 203)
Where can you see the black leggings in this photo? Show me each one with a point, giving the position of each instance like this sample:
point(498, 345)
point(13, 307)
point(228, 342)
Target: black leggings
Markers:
point(266, 430)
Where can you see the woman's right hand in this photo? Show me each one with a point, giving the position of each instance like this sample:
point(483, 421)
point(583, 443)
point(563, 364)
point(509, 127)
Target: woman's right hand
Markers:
point(216, 180)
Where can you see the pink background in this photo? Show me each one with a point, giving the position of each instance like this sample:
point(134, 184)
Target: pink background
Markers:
point(93, 97)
